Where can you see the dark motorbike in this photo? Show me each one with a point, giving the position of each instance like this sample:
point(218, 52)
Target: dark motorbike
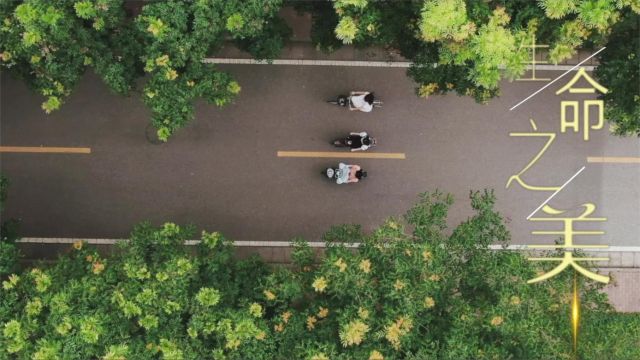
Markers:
point(354, 142)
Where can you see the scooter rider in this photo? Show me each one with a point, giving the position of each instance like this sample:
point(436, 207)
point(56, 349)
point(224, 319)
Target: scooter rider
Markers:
point(352, 173)
point(361, 100)
point(356, 174)
point(360, 141)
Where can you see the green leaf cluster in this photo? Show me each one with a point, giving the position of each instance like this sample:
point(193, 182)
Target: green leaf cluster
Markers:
point(619, 71)
point(470, 46)
point(413, 289)
point(51, 45)
point(9, 254)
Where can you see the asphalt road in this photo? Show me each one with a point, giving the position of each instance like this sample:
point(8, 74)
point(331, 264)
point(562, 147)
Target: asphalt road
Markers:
point(221, 172)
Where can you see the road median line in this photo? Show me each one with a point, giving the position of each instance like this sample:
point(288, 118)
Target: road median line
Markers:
point(43, 149)
point(613, 160)
point(341, 155)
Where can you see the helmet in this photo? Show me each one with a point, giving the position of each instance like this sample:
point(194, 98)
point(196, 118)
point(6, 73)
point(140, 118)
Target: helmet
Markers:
point(369, 98)
point(360, 174)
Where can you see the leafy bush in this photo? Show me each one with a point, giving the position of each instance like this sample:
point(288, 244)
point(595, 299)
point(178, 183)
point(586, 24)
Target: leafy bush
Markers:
point(323, 22)
point(424, 294)
point(471, 40)
point(8, 234)
point(179, 35)
point(152, 301)
point(8, 257)
point(256, 27)
point(50, 45)
point(268, 44)
point(619, 71)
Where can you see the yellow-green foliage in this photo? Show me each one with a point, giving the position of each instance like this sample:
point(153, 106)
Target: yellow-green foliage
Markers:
point(428, 293)
point(445, 20)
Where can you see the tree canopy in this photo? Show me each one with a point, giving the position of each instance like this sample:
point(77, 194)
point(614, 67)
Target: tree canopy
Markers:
point(51, 44)
point(9, 255)
point(462, 46)
point(455, 45)
point(619, 70)
point(428, 293)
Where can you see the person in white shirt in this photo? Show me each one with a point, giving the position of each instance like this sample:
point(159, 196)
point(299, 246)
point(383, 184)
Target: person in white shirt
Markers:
point(361, 100)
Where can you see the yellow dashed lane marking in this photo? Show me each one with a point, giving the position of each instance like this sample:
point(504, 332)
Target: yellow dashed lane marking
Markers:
point(341, 155)
point(613, 160)
point(42, 149)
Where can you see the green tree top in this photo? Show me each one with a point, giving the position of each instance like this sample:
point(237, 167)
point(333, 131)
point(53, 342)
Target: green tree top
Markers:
point(51, 44)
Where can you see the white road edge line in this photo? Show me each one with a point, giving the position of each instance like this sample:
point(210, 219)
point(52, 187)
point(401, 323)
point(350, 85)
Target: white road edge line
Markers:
point(558, 78)
point(360, 63)
point(554, 194)
point(313, 244)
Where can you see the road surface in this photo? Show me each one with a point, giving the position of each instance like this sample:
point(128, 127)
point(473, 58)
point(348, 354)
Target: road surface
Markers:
point(222, 171)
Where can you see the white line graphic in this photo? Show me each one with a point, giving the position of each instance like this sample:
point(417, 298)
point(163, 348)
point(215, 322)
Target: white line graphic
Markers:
point(554, 194)
point(556, 79)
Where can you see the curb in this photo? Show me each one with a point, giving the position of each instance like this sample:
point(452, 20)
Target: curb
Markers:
point(627, 257)
point(358, 63)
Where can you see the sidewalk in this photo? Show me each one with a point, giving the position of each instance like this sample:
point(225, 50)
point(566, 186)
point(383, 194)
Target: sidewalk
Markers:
point(623, 291)
point(300, 47)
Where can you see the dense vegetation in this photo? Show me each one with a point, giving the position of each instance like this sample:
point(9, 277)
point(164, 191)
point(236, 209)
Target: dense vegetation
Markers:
point(619, 70)
point(470, 41)
point(474, 43)
point(50, 44)
point(8, 235)
point(424, 294)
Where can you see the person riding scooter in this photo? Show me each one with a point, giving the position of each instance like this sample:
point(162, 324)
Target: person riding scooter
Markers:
point(355, 173)
point(345, 174)
point(360, 141)
point(361, 100)
point(357, 141)
point(357, 100)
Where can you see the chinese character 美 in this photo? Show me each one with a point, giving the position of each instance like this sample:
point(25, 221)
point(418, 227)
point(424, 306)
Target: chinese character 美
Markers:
point(568, 233)
point(573, 106)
